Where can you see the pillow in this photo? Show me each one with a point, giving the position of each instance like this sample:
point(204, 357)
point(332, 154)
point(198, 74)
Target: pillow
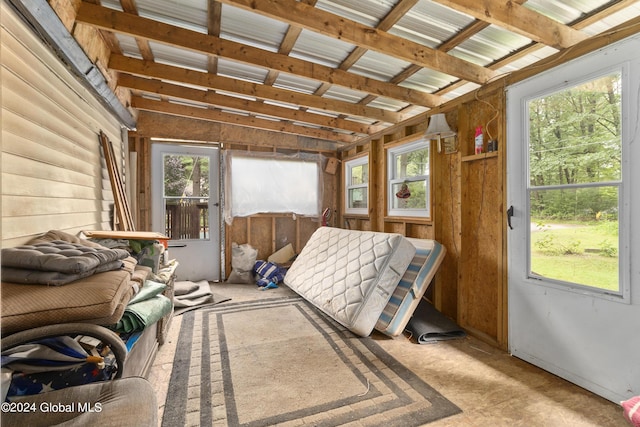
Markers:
point(631, 410)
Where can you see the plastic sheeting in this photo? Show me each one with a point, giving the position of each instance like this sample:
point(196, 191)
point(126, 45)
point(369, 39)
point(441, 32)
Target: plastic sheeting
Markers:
point(272, 183)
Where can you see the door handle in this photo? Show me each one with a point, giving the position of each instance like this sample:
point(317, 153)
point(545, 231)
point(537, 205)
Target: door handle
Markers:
point(509, 215)
point(184, 245)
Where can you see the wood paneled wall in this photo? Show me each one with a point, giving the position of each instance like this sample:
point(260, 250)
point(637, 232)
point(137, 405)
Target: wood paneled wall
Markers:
point(467, 215)
point(53, 174)
point(482, 295)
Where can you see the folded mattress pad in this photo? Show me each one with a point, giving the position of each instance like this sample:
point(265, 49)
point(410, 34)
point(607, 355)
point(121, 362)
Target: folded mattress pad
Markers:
point(412, 286)
point(350, 275)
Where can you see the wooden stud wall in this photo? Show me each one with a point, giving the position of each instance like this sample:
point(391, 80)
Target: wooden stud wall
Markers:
point(269, 232)
point(482, 270)
point(467, 216)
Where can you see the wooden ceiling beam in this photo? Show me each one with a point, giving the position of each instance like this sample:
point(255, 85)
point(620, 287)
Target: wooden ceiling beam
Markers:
point(160, 125)
point(510, 15)
point(173, 91)
point(209, 81)
point(214, 23)
point(195, 112)
point(398, 11)
point(328, 24)
point(135, 26)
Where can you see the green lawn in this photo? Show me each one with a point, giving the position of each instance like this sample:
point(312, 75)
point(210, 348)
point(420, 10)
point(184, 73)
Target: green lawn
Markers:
point(584, 253)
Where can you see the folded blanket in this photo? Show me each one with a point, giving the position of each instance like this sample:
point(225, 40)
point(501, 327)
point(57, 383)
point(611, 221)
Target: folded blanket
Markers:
point(149, 290)
point(138, 316)
point(146, 308)
point(199, 294)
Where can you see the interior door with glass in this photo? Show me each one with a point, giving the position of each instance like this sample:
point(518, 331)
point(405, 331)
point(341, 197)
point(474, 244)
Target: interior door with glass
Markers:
point(185, 207)
point(570, 309)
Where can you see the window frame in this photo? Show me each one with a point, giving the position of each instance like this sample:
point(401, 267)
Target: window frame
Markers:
point(349, 165)
point(391, 155)
point(546, 84)
point(573, 82)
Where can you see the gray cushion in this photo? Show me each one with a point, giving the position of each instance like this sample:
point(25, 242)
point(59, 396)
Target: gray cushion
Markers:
point(60, 256)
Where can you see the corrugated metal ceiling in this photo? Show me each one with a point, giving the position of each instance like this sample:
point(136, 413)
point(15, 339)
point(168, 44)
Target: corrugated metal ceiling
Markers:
point(428, 23)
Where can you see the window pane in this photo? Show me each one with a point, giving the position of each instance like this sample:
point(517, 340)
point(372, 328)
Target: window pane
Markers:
point(187, 219)
point(186, 192)
point(360, 174)
point(414, 163)
point(358, 198)
point(270, 185)
point(575, 134)
point(410, 195)
point(574, 236)
point(186, 176)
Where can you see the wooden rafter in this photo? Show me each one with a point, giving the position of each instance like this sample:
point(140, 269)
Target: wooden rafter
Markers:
point(173, 91)
point(519, 19)
point(206, 80)
point(320, 110)
point(237, 119)
point(325, 23)
point(108, 19)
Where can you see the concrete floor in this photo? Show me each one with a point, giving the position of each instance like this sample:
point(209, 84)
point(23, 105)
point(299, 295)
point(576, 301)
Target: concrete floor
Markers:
point(491, 387)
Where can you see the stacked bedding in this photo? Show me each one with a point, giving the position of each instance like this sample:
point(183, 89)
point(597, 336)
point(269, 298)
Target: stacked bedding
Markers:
point(58, 278)
point(350, 275)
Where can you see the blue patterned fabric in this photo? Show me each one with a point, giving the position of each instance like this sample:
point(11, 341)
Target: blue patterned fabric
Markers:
point(268, 272)
point(53, 364)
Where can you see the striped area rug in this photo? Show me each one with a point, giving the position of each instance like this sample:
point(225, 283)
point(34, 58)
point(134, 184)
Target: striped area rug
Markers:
point(279, 361)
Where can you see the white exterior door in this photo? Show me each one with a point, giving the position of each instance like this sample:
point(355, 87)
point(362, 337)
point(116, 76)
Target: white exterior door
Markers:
point(572, 176)
point(185, 207)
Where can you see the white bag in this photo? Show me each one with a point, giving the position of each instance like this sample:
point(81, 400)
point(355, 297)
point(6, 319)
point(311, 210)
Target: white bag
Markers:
point(243, 259)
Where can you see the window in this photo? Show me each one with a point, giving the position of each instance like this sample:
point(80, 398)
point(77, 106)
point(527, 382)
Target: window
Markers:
point(272, 183)
point(186, 196)
point(409, 187)
point(357, 186)
point(574, 185)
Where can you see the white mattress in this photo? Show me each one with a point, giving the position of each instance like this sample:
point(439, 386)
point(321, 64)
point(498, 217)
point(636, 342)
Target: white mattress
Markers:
point(350, 275)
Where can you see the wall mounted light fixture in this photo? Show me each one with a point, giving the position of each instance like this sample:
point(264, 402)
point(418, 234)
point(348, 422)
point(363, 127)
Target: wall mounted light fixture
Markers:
point(439, 128)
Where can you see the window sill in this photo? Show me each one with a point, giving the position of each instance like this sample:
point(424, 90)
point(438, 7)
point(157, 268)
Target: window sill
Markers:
point(409, 219)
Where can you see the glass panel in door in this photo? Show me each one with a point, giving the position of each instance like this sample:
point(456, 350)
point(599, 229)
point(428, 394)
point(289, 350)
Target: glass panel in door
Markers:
point(186, 196)
point(575, 171)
